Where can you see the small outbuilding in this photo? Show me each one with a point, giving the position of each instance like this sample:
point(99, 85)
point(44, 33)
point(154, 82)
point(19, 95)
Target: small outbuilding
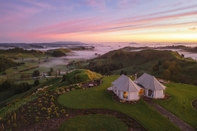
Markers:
point(152, 87)
point(125, 88)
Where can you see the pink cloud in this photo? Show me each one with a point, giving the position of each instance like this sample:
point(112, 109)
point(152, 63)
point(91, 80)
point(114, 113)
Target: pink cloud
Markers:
point(174, 10)
point(76, 26)
point(97, 25)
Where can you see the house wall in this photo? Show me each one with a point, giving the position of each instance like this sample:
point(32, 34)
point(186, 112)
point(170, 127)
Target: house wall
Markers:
point(146, 93)
point(114, 90)
point(159, 94)
point(156, 94)
point(120, 94)
point(133, 96)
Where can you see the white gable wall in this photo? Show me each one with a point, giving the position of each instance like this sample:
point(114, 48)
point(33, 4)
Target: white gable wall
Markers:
point(133, 96)
point(159, 94)
point(156, 94)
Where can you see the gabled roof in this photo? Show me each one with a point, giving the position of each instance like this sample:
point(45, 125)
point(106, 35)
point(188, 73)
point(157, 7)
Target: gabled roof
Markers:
point(124, 83)
point(150, 82)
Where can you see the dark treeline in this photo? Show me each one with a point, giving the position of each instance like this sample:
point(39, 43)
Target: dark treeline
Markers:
point(17, 87)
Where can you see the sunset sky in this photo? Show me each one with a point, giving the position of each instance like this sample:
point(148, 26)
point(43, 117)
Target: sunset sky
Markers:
point(95, 21)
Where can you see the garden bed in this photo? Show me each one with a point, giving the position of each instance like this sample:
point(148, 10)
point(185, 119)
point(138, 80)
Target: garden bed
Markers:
point(44, 113)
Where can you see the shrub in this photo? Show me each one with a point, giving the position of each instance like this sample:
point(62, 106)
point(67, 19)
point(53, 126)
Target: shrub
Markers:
point(52, 99)
point(9, 122)
point(36, 82)
point(48, 118)
point(53, 106)
point(56, 108)
point(40, 105)
point(49, 109)
point(43, 108)
point(14, 125)
point(37, 119)
point(57, 114)
point(63, 111)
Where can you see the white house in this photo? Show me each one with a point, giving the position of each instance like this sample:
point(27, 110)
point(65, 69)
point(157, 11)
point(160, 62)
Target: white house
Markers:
point(125, 88)
point(153, 88)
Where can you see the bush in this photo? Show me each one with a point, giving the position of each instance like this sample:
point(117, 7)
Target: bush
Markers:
point(36, 82)
point(36, 73)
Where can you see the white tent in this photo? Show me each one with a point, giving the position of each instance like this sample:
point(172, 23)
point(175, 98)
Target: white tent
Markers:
point(125, 88)
point(153, 88)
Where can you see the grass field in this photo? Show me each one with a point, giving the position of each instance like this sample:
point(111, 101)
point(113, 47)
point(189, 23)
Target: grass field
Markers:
point(99, 98)
point(87, 123)
point(180, 102)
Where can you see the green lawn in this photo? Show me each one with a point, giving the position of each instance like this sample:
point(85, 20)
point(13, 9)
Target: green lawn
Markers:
point(87, 123)
point(181, 102)
point(98, 98)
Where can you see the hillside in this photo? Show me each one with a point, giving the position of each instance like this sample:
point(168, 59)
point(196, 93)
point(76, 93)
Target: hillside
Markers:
point(164, 64)
point(19, 50)
point(58, 52)
point(78, 76)
point(119, 59)
point(7, 63)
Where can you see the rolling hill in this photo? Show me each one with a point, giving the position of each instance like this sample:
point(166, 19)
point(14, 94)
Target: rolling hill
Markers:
point(168, 65)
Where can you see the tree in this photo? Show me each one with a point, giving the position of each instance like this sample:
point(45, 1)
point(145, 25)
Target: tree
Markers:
point(6, 85)
point(22, 87)
point(155, 68)
point(49, 73)
point(172, 68)
point(36, 82)
point(36, 73)
point(51, 70)
point(64, 78)
point(167, 74)
point(123, 72)
point(165, 64)
point(159, 62)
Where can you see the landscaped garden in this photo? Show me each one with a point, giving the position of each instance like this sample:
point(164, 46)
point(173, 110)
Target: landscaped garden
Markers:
point(99, 98)
point(72, 107)
point(42, 112)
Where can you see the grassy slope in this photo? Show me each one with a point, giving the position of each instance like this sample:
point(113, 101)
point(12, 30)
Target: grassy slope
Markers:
point(20, 99)
point(87, 123)
point(181, 102)
point(54, 82)
point(99, 98)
